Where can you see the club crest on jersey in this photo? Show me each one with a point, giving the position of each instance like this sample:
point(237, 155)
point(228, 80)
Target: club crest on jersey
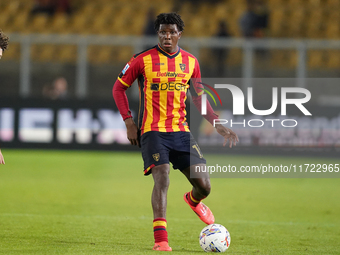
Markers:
point(156, 156)
point(182, 66)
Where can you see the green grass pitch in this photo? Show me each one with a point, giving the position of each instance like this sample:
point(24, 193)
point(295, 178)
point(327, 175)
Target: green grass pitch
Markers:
point(71, 202)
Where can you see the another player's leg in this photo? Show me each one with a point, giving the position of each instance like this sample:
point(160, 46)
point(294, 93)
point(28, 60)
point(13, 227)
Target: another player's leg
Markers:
point(200, 190)
point(160, 175)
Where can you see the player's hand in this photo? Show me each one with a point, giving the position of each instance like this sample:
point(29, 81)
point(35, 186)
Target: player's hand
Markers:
point(2, 161)
point(132, 132)
point(228, 134)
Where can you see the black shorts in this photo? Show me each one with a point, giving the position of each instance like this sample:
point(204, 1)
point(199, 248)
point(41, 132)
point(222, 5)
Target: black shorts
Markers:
point(179, 148)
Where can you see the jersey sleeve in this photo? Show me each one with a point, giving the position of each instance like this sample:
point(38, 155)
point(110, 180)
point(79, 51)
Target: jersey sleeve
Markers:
point(196, 90)
point(197, 87)
point(131, 71)
point(119, 95)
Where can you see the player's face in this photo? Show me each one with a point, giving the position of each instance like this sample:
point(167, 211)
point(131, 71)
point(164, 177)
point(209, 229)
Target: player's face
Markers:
point(0, 53)
point(168, 36)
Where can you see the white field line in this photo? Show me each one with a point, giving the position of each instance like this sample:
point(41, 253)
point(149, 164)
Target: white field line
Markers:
point(122, 218)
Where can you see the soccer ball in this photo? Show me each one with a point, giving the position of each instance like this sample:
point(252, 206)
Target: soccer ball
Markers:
point(214, 238)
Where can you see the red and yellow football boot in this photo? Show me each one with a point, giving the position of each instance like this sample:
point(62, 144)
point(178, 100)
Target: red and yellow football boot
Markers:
point(162, 246)
point(202, 211)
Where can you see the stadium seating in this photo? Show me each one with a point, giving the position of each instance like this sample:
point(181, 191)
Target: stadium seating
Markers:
point(39, 24)
point(14, 53)
point(316, 19)
point(60, 24)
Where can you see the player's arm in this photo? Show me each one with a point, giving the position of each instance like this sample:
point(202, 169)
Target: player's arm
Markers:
point(2, 161)
point(196, 93)
point(123, 82)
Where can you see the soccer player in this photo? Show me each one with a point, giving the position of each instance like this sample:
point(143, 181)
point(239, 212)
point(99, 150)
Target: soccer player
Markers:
point(3, 46)
point(163, 74)
point(2, 160)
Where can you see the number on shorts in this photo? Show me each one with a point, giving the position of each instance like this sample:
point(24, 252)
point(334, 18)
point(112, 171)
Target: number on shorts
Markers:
point(195, 146)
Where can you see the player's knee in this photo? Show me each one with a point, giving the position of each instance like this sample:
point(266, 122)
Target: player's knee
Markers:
point(161, 176)
point(163, 181)
point(204, 189)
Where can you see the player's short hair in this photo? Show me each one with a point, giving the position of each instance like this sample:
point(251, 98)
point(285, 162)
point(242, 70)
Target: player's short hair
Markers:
point(169, 18)
point(3, 40)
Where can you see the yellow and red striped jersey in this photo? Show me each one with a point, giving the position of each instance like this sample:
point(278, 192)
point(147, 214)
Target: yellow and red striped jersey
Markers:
point(163, 84)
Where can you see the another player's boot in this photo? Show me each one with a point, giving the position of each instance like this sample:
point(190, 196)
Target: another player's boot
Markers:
point(202, 211)
point(162, 246)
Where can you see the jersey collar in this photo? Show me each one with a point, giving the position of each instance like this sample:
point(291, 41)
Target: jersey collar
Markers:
point(169, 55)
